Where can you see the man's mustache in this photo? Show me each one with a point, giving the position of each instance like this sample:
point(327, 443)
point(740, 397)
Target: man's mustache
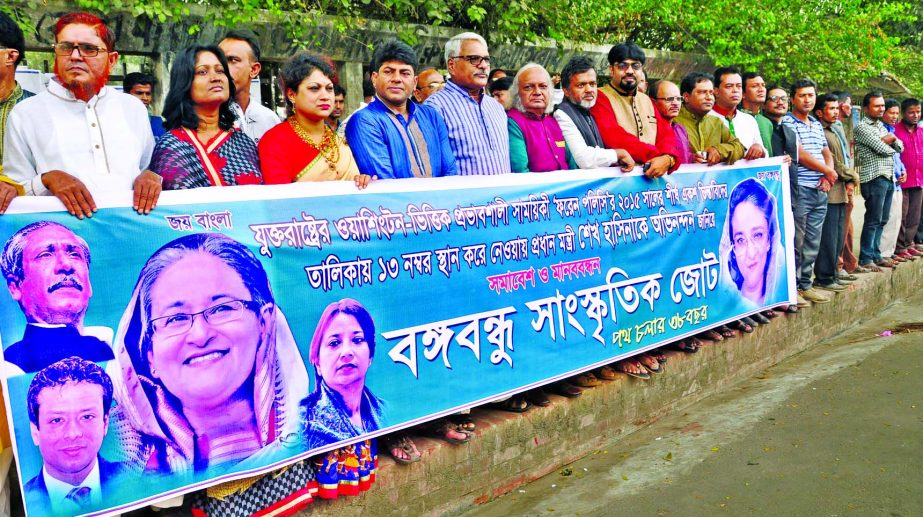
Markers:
point(68, 282)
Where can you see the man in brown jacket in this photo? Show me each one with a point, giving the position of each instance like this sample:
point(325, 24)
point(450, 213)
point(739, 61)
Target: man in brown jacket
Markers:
point(826, 275)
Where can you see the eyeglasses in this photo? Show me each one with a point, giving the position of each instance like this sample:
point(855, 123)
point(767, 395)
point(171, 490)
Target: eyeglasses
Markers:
point(758, 240)
point(670, 99)
point(431, 86)
point(85, 49)
point(625, 65)
point(774, 98)
point(474, 59)
point(180, 323)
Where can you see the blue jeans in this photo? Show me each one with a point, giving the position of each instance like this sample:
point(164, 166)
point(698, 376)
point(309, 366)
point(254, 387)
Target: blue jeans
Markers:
point(810, 213)
point(878, 194)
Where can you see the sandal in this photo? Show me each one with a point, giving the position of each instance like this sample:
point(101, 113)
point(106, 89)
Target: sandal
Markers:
point(402, 443)
point(568, 390)
point(584, 380)
point(441, 429)
point(791, 309)
point(537, 397)
point(514, 404)
point(726, 331)
point(711, 335)
point(749, 320)
point(871, 267)
point(650, 363)
point(759, 318)
point(659, 355)
point(606, 373)
point(463, 422)
point(770, 313)
point(685, 346)
point(743, 326)
point(638, 371)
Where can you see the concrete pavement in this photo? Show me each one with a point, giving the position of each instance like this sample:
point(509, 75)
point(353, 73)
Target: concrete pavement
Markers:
point(835, 430)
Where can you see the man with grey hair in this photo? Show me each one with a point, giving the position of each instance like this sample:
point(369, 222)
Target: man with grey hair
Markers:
point(47, 270)
point(578, 81)
point(536, 141)
point(476, 121)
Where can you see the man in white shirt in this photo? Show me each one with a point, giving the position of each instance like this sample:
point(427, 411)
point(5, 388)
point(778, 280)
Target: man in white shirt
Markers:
point(68, 405)
point(243, 52)
point(80, 137)
point(578, 81)
point(728, 94)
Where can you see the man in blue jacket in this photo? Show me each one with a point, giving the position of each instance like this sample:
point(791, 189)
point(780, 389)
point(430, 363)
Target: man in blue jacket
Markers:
point(393, 137)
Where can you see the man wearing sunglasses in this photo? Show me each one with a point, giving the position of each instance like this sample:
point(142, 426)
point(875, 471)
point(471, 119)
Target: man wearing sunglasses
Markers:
point(477, 122)
point(627, 118)
point(81, 138)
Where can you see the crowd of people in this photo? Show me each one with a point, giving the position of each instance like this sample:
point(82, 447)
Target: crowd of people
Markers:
point(81, 138)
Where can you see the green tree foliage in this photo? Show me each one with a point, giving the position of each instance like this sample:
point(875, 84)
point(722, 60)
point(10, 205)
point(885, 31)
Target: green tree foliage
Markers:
point(834, 42)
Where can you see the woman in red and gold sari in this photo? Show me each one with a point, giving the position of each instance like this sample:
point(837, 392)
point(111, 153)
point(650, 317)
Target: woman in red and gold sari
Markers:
point(202, 148)
point(304, 148)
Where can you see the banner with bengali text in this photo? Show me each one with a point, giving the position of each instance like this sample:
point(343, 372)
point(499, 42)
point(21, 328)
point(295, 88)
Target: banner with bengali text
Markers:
point(234, 331)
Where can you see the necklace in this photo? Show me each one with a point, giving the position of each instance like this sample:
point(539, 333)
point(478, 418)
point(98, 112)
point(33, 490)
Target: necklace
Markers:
point(328, 146)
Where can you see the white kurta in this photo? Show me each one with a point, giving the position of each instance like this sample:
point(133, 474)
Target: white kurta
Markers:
point(745, 128)
point(105, 143)
point(587, 157)
point(256, 121)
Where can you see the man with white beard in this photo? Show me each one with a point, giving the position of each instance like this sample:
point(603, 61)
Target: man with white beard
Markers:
point(578, 81)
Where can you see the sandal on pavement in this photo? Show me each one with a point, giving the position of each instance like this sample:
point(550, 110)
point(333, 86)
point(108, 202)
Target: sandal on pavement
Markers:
point(632, 368)
point(684, 345)
point(538, 398)
point(566, 389)
point(711, 335)
point(441, 429)
point(401, 448)
point(606, 373)
point(584, 380)
point(743, 326)
point(659, 355)
point(759, 318)
point(650, 363)
point(749, 320)
point(463, 422)
point(870, 267)
point(514, 404)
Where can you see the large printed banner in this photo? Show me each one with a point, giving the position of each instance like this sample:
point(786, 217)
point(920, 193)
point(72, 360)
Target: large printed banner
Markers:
point(234, 331)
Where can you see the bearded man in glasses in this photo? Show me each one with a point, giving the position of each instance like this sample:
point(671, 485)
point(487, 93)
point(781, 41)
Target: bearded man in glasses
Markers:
point(81, 138)
point(627, 119)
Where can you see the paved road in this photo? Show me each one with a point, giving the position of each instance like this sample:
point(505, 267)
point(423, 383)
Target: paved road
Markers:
point(834, 431)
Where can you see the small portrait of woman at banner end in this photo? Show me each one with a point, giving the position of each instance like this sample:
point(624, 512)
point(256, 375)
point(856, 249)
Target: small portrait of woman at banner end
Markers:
point(211, 373)
point(202, 147)
point(341, 406)
point(751, 245)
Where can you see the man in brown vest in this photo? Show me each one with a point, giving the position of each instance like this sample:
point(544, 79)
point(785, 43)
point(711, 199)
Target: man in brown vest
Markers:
point(626, 116)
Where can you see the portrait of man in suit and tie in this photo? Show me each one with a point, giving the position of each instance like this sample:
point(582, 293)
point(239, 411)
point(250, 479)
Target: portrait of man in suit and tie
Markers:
point(47, 270)
point(69, 404)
